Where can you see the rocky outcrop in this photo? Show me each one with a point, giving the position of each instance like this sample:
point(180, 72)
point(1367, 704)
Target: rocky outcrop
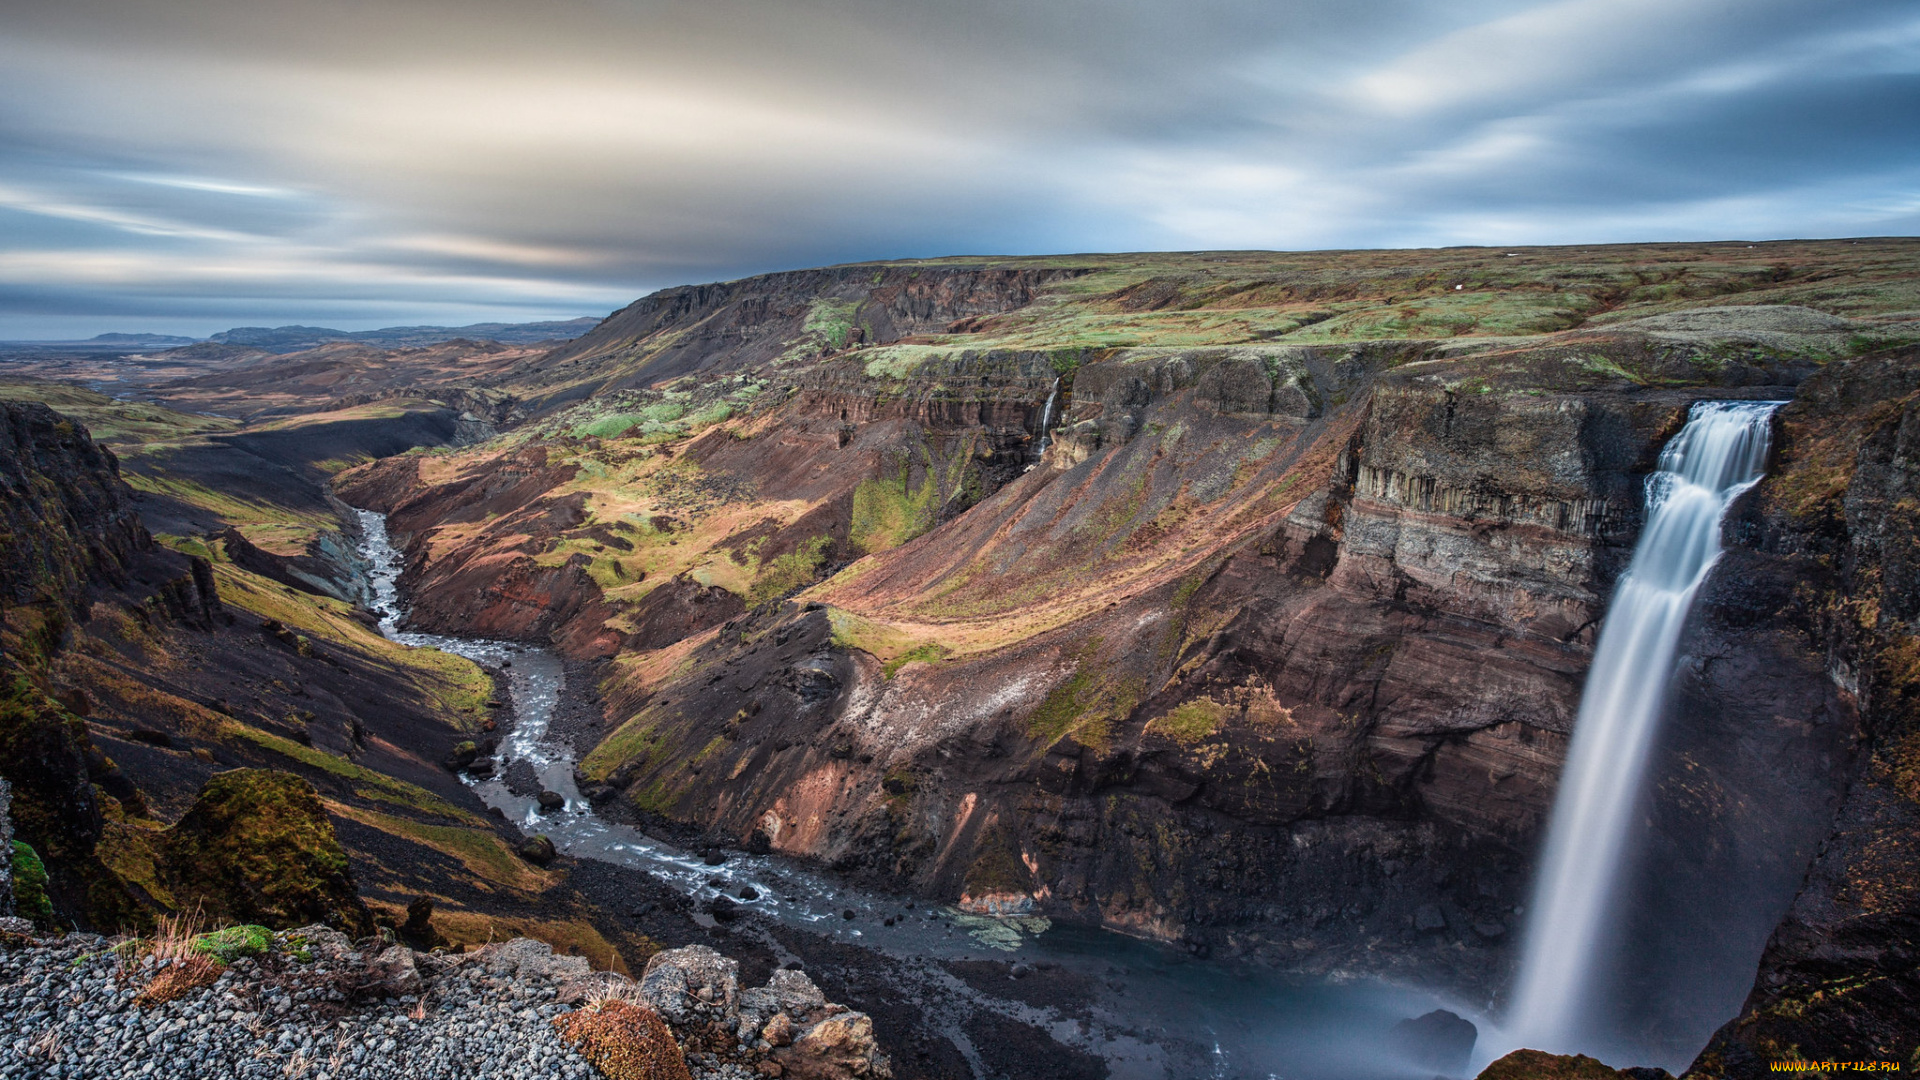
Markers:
point(66, 518)
point(257, 847)
point(1840, 977)
point(520, 543)
point(709, 329)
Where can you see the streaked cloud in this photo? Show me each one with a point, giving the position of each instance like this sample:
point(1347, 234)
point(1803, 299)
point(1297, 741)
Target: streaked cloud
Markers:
point(193, 165)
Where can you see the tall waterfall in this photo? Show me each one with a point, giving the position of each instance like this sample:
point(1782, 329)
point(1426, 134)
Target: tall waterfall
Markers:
point(1720, 453)
point(1046, 419)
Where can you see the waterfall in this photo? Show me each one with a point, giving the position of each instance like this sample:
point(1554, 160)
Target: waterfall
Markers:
point(1046, 418)
point(1720, 453)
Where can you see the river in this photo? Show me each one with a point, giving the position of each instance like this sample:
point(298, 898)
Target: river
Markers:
point(1160, 1014)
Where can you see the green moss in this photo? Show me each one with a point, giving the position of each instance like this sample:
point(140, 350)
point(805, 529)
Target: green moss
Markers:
point(791, 571)
point(633, 739)
point(256, 846)
point(888, 511)
point(927, 653)
point(831, 320)
point(30, 886)
point(368, 784)
point(234, 942)
point(1191, 722)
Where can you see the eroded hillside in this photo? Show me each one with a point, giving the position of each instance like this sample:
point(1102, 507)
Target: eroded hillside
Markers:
point(1241, 600)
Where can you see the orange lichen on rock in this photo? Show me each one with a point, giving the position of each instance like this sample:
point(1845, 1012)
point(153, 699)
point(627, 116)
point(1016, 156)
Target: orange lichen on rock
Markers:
point(1539, 1065)
point(625, 1041)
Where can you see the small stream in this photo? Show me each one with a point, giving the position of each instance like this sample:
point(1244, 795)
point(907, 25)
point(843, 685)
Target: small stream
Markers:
point(1159, 1013)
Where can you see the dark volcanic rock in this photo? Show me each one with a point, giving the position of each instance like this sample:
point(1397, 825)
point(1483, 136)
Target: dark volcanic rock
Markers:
point(538, 850)
point(1439, 1041)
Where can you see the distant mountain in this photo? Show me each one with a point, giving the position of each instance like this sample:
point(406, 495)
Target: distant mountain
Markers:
point(142, 339)
point(504, 333)
point(279, 339)
point(101, 343)
point(285, 339)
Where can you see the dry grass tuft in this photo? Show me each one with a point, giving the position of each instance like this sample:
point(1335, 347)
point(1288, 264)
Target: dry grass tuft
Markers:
point(182, 969)
point(624, 1040)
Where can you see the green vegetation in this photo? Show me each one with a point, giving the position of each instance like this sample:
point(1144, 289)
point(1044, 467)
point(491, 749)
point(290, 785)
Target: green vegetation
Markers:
point(257, 847)
point(831, 320)
point(30, 886)
point(234, 942)
point(1191, 722)
point(368, 784)
point(921, 654)
point(791, 571)
point(129, 426)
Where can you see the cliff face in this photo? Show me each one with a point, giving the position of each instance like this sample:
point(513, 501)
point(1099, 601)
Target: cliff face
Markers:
point(1277, 651)
point(1840, 977)
point(600, 545)
point(799, 315)
point(68, 518)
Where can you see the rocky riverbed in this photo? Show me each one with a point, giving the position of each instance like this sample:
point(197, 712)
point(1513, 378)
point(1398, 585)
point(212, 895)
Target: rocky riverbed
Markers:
point(310, 1003)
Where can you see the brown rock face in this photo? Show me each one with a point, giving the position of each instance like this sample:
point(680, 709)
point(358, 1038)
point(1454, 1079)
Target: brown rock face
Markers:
point(1277, 650)
point(1840, 978)
point(1536, 1065)
point(838, 1048)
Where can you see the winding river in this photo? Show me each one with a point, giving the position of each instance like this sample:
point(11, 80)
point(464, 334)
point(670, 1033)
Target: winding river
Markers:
point(1159, 1014)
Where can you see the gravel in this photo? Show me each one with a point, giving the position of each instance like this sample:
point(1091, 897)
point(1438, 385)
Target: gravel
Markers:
point(67, 1010)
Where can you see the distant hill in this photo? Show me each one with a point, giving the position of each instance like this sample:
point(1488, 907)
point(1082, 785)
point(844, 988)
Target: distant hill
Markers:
point(285, 339)
point(142, 339)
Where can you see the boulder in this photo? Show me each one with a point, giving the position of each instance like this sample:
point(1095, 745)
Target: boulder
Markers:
point(1439, 1041)
point(538, 850)
point(692, 982)
point(392, 973)
point(841, 1047)
point(256, 846)
point(1539, 1065)
point(525, 958)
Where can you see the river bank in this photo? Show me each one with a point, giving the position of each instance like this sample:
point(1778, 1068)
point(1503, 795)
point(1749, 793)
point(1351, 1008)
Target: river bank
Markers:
point(952, 994)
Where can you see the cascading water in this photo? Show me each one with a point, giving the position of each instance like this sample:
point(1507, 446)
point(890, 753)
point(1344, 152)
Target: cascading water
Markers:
point(1720, 453)
point(1046, 420)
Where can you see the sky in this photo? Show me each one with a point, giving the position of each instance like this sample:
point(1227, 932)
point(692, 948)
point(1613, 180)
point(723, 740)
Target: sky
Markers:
point(200, 164)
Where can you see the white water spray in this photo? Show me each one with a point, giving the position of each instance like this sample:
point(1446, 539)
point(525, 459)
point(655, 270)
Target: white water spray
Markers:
point(1046, 418)
point(1719, 454)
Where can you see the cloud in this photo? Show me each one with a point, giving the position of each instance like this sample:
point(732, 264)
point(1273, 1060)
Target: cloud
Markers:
point(292, 157)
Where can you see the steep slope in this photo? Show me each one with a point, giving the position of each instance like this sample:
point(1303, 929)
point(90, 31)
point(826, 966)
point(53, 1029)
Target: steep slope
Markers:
point(1275, 648)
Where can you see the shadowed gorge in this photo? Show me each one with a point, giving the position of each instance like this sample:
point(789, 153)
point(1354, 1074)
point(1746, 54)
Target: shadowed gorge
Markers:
point(1088, 630)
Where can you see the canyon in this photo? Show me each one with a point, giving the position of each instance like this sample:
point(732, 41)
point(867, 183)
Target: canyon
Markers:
point(1235, 602)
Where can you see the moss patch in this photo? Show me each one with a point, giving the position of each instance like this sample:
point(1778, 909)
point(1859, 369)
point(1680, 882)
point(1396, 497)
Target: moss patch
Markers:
point(30, 886)
point(234, 942)
point(256, 846)
point(1191, 722)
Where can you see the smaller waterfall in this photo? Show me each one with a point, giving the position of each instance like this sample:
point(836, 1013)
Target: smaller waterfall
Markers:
point(1720, 453)
point(1046, 420)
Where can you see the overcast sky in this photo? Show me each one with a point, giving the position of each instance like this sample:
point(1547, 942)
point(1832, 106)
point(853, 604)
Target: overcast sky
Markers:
point(197, 164)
